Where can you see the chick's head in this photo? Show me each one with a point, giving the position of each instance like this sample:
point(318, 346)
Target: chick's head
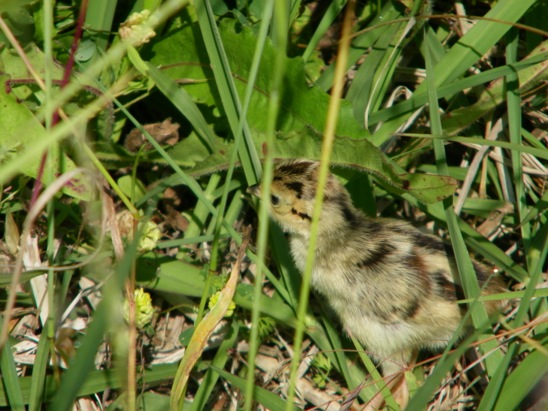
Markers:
point(292, 195)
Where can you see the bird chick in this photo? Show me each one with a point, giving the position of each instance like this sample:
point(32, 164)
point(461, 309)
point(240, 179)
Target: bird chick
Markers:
point(393, 287)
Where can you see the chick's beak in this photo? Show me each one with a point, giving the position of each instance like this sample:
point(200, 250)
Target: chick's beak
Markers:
point(254, 190)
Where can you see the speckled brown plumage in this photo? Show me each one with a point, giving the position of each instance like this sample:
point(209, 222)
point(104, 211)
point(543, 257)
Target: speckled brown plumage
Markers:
point(391, 285)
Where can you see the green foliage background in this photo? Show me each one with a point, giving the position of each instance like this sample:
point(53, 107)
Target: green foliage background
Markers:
point(248, 81)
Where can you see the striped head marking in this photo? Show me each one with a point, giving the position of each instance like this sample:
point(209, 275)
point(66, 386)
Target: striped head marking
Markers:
point(293, 191)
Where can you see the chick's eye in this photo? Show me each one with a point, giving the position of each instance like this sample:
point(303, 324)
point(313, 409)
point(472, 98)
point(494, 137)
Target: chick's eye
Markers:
point(274, 200)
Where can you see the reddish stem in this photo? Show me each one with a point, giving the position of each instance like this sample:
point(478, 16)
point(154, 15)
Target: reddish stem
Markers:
point(66, 77)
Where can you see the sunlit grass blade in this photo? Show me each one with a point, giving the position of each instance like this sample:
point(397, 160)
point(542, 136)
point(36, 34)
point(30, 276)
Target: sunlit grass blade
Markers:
point(469, 49)
point(227, 89)
point(84, 361)
point(184, 103)
point(266, 398)
point(10, 380)
point(327, 20)
point(453, 87)
point(39, 372)
point(462, 257)
point(521, 381)
point(210, 379)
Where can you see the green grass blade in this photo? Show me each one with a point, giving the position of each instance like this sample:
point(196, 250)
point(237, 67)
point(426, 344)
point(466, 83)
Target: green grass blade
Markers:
point(513, 104)
point(522, 380)
point(279, 34)
point(378, 383)
point(462, 257)
point(210, 379)
point(519, 148)
point(266, 398)
point(493, 389)
point(480, 39)
point(446, 90)
point(99, 17)
point(325, 23)
point(77, 373)
point(226, 87)
point(360, 43)
point(469, 49)
point(424, 394)
point(372, 78)
point(84, 361)
point(10, 380)
point(96, 382)
point(39, 372)
point(184, 103)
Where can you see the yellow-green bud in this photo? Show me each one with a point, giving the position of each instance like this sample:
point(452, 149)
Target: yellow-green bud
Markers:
point(213, 300)
point(144, 310)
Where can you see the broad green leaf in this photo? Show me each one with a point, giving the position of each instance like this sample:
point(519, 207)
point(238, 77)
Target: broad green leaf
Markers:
point(172, 276)
point(19, 128)
point(360, 155)
point(95, 382)
point(134, 189)
point(181, 55)
point(152, 401)
point(301, 122)
point(20, 81)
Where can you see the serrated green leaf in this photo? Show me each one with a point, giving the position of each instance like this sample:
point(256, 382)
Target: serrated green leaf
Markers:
point(301, 121)
point(360, 155)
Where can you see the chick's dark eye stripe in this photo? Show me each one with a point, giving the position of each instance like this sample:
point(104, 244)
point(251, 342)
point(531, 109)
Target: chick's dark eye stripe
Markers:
point(304, 216)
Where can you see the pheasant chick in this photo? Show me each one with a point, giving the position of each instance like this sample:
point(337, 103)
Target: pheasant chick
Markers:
point(392, 286)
